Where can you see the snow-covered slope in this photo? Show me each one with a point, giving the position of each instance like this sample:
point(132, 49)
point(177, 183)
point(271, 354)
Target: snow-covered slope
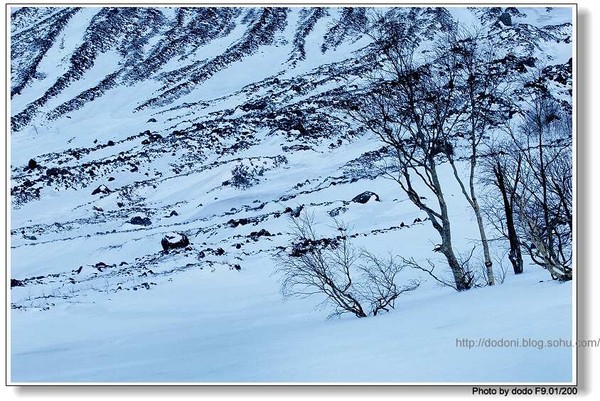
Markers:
point(218, 123)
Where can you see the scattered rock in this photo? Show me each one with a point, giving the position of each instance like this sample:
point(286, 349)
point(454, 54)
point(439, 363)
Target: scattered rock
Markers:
point(506, 19)
point(29, 237)
point(102, 265)
point(140, 221)
point(174, 240)
point(337, 211)
point(55, 171)
point(102, 189)
point(262, 233)
point(16, 283)
point(294, 212)
point(240, 222)
point(365, 197)
point(306, 245)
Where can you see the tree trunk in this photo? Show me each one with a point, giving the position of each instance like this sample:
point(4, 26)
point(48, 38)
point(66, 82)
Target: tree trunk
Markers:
point(514, 255)
point(477, 210)
point(486, 248)
point(461, 278)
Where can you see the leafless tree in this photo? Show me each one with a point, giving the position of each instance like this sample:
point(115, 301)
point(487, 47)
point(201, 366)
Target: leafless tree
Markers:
point(351, 280)
point(482, 78)
point(415, 108)
point(544, 200)
point(504, 166)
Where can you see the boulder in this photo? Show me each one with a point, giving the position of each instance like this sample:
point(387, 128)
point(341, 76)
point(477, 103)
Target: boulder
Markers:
point(365, 197)
point(505, 18)
point(16, 283)
point(262, 233)
point(174, 240)
point(102, 189)
point(140, 221)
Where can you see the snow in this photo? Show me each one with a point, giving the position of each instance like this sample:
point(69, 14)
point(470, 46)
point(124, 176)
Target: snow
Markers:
point(202, 321)
point(232, 327)
point(219, 325)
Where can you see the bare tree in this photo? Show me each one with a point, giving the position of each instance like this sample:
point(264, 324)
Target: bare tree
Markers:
point(351, 280)
point(506, 171)
point(415, 109)
point(544, 199)
point(482, 78)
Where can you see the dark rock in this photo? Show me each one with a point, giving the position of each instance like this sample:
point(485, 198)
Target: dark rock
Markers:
point(140, 221)
point(237, 267)
point(220, 251)
point(110, 143)
point(306, 245)
point(152, 120)
point(32, 164)
point(98, 209)
point(262, 233)
point(55, 171)
point(102, 189)
point(16, 283)
point(365, 197)
point(295, 212)
point(337, 211)
point(260, 105)
point(506, 19)
point(201, 255)
point(174, 240)
point(101, 265)
point(240, 222)
point(296, 148)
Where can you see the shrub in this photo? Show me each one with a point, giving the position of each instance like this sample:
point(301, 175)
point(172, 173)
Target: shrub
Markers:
point(352, 280)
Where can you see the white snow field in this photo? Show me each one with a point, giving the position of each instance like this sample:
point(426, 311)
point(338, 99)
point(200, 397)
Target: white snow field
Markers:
point(233, 327)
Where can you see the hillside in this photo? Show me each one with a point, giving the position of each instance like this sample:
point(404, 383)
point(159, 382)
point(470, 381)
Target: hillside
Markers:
point(133, 124)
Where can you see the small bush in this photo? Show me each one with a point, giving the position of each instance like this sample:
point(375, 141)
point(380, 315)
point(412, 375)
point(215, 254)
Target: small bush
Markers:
point(351, 280)
point(243, 177)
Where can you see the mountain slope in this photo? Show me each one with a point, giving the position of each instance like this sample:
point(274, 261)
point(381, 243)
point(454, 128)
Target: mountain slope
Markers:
point(129, 124)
